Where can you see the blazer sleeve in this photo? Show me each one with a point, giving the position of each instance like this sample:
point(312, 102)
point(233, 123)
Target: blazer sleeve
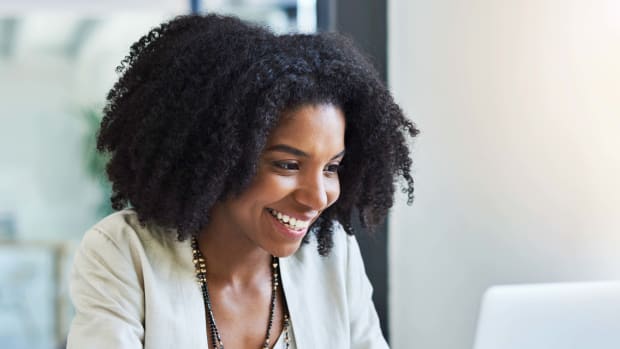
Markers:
point(107, 295)
point(364, 322)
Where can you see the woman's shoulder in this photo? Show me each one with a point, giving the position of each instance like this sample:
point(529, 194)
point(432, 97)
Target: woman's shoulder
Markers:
point(118, 227)
point(123, 232)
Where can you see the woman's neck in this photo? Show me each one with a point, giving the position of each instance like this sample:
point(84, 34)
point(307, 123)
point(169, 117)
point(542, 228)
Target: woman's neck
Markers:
point(231, 257)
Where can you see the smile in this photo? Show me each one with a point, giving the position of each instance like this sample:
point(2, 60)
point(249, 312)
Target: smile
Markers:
point(289, 222)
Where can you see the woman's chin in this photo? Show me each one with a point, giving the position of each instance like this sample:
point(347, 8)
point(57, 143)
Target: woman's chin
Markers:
point(285, 251)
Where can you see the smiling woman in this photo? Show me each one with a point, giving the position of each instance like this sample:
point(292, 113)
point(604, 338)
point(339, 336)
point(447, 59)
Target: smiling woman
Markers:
point(230, 147)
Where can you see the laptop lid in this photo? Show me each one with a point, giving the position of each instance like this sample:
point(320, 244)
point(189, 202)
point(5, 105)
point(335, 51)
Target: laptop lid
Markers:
point(550, 316)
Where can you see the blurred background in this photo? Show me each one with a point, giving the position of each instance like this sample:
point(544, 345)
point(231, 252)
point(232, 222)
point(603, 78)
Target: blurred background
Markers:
point(517, 165)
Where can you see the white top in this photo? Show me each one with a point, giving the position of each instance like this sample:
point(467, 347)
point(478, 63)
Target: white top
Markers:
point(134, 287)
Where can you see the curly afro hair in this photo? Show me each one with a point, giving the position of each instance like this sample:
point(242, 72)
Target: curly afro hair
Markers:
point(197, 98)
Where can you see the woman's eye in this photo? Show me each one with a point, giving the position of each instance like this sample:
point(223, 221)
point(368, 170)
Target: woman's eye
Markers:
point(332, 168)
point(289, 166)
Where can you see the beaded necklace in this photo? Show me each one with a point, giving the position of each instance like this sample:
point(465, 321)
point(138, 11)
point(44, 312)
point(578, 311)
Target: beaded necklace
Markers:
point(201, 275)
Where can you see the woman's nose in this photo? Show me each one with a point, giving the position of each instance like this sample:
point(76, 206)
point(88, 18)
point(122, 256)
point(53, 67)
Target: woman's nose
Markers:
point(312, 192)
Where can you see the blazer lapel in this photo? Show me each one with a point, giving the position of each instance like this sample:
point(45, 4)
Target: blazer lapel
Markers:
point(298, 298)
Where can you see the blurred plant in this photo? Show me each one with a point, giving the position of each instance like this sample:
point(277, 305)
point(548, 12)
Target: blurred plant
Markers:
point(95, 161)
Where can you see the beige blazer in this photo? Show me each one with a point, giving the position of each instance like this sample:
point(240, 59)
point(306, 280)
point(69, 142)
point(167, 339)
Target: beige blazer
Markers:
point(133, 287)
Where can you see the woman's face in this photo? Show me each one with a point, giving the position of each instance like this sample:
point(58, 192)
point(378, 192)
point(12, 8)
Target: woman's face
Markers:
point(297, 178)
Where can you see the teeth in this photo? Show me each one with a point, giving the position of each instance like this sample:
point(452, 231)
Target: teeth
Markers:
point(290, 221)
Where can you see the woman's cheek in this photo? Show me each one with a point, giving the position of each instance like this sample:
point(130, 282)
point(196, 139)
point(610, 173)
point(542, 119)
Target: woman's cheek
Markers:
point(333, 191)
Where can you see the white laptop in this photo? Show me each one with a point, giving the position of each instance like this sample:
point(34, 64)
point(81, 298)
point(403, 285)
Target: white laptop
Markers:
point(550, 316)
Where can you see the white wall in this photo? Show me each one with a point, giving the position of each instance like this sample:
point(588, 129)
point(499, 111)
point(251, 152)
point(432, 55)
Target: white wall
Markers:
point(518, 162)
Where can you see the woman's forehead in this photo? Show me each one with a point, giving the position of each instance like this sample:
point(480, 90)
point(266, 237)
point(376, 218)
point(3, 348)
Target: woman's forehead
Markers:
point(310, 128)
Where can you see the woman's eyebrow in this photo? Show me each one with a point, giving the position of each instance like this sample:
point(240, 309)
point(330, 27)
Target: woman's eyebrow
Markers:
point(341, 154)
point(294, 151)
point(288, 149)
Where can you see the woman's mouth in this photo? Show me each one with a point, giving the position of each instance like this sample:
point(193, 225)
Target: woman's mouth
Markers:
point(288, 221)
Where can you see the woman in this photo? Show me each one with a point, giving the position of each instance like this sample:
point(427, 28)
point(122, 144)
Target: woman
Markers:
point(243, 158)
